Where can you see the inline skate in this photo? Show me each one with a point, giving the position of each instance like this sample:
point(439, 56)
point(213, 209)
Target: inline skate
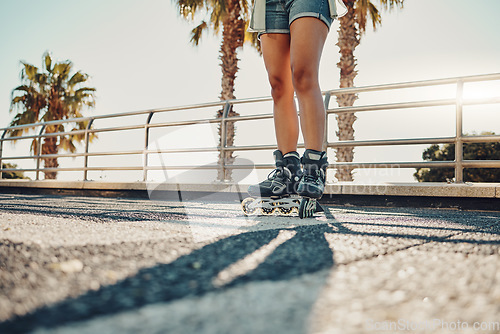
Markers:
point(278, 193)
point(312, 182)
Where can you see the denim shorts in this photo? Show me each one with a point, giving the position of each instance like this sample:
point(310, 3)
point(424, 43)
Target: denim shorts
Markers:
point(281, 13)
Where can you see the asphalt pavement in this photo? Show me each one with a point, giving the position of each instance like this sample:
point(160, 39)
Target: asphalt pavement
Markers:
point(111, 265)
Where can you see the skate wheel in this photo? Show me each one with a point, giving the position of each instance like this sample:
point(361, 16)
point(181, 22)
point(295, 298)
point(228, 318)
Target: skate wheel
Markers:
point(291, 209)
point(248, 207)
point(307, 207)
point(285, 211)
point(268, 212)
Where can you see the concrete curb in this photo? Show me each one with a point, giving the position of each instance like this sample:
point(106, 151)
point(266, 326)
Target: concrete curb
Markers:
point(466, 190)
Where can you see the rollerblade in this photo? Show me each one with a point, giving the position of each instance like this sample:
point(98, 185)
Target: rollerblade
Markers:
point(278, 193)
point(312, 183)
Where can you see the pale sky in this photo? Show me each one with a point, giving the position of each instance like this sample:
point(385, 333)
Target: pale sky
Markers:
point(139, 56)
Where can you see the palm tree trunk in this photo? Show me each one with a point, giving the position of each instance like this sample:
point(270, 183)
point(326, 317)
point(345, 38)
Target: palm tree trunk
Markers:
point(348, 41)
point(232, 38)
point(49, 146)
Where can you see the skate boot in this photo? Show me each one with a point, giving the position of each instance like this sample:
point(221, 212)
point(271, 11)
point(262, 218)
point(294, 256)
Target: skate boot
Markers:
point(312, 183)
point(276, 194)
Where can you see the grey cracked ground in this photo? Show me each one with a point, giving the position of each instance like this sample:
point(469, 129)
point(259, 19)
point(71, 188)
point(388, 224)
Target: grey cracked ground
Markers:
point(87, 265)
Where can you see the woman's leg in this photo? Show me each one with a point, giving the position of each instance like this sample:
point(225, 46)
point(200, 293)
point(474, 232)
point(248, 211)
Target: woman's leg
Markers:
point(276, 54)
point(308, 36)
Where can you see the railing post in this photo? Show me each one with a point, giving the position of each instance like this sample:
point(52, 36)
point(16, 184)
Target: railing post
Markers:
point(1, 152)
point(459, 170)
point(86, 158)
point(328, 96)
point(146, 144)
point(39, 152)
point(223, 140)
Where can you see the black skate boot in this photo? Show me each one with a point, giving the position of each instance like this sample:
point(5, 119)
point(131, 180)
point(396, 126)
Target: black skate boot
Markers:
point(283, 180)
point(312, 183)
point(276, 192)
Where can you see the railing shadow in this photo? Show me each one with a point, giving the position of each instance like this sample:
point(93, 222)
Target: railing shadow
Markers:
point(194, 274)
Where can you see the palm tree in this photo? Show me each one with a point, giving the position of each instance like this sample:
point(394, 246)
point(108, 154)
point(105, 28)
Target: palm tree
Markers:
point(352, 27)
point(11, 174)
point(233, 16)
point(47, 95)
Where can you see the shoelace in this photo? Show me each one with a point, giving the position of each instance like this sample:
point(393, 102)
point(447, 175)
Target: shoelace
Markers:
point(312, 178)
point(278, 172)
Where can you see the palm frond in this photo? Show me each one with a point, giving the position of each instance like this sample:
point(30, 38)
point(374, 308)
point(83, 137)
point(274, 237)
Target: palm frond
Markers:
point(29, 72)
point(197, 32)
point(34, 146)
point(66, 143)
point(48, 61)
point(93, 136)
point(77, 137)
point(218, 5)
point(77, 78)
point(15, 133)
point(366, 10)
point(23, 88)
point(360, 10)
point(20, 119)
point(244, 6)
point(391, 4)
point(17, 99)
point(375, 16)
point(219, 11)
point(41, 79)
point(62, 69)
point(188, 8)
point(88, 90)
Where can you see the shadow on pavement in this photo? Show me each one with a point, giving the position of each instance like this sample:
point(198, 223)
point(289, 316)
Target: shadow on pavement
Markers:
point(191, 275)
point(306, 252)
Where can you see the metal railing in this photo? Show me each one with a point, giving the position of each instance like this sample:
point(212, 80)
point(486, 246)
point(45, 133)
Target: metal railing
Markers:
point(459, 139)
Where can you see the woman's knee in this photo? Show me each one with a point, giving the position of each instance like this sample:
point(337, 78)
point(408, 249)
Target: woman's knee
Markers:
point(304, 79)
point(280, 86)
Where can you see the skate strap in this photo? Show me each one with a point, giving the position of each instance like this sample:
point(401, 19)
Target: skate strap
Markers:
point(314, 155)
point(314, 158)
point(291, 154)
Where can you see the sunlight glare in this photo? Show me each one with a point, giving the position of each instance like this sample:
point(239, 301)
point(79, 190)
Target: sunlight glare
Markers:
point(483, 90)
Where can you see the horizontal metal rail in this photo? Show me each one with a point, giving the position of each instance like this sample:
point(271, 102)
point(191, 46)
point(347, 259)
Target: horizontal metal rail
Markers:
point(147, 124)
point(368, 165)
point(340, 91)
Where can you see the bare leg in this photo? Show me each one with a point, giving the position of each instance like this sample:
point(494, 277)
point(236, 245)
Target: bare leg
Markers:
point(276, 53)
point(308, 37)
